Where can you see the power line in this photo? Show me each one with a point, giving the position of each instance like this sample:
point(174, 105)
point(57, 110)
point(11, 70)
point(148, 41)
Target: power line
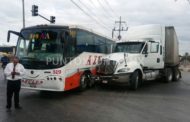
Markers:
point(105, 11)
point(89, 15)
point(92, 2)
point(89, 10)
point(107, 3)
point(107, 17)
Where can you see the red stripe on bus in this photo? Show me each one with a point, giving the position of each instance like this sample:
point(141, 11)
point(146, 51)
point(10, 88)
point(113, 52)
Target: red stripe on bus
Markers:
point(73, 81)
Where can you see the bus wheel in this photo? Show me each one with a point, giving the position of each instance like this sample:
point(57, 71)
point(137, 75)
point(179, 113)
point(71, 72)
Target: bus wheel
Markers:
point(176, 74)
point(83, 82)
point(134, 81)
point(90, 80)
point(168, 75)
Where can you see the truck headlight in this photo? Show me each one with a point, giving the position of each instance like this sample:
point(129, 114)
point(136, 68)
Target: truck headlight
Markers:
point(123, 70)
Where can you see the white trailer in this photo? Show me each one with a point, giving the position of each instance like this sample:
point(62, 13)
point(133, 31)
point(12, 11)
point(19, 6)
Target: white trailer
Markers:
point(149, 52)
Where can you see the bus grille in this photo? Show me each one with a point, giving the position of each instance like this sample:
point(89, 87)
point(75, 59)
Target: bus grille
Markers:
point(106, 67)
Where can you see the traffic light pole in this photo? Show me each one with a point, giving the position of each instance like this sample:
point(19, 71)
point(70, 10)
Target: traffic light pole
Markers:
point(35, 13)
point(44, 18)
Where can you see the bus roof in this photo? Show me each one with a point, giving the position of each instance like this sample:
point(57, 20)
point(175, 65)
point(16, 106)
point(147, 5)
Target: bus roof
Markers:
point(66, 27)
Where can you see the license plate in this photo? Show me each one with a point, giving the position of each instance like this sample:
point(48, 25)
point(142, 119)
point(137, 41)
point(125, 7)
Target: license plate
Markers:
point(105, 81)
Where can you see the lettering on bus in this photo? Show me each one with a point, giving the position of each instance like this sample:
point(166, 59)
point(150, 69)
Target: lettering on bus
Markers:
point(32, 83)
point(39, 36)
point(93, 60)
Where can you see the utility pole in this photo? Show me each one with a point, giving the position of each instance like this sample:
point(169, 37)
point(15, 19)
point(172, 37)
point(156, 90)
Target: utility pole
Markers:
point(120, 28)
point(23, 13)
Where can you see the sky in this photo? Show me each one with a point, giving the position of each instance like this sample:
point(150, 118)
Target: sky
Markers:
point(99, 15)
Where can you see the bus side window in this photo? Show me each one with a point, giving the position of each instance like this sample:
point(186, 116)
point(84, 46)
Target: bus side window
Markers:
point(85, 42)
point(100, 44)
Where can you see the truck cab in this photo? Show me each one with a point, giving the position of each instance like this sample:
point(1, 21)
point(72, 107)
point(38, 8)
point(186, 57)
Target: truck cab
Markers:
point(141, 57)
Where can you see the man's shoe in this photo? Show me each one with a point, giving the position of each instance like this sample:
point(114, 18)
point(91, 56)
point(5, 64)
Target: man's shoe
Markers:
point(8, 110)
point(18, 107)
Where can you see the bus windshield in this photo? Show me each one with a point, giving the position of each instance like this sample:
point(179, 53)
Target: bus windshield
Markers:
point(41, 48)
point(129, 47)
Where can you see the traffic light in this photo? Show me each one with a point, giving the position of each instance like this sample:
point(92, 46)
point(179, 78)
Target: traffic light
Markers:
point(52, 19)
point(34, 10)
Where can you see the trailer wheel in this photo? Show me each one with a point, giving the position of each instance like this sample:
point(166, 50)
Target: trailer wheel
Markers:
point(168, 75)
point(176, 74)
point(83, 82)
point(134, 81)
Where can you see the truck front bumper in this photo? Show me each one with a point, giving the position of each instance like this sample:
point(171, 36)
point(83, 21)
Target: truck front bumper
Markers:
point(111, 79)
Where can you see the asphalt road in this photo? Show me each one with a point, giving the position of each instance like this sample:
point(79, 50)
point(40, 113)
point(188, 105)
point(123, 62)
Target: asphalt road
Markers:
point(154, 102)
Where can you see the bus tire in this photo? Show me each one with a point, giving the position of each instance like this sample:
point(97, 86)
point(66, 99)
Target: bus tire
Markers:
point(83, 82)
point(90, 80)
point(134, 81)
point(176, 74)
point(168, 75)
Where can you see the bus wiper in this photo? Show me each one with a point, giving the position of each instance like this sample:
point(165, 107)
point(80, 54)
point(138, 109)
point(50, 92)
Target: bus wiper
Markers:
point(29, 58)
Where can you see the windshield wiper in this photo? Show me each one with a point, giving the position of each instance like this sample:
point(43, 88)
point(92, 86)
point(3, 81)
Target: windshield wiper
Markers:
point(28, 58)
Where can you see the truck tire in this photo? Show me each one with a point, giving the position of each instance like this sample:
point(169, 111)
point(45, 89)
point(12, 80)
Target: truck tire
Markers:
point(83, 82)
point(134, 81)
point(176, 74)
point(168, 75)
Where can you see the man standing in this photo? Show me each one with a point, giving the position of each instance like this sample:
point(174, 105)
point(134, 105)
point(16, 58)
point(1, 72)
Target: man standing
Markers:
point(14, 72)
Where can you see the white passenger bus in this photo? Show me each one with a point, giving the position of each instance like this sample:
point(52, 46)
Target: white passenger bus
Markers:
point(60, 58)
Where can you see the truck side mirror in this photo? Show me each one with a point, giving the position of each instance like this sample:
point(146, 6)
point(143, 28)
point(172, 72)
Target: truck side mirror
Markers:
point(145, 51)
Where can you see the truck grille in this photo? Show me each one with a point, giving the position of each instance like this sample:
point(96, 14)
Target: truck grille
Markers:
point(106, 67)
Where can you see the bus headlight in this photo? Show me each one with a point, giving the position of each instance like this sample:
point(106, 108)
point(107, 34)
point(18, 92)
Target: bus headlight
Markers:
point(123, 70)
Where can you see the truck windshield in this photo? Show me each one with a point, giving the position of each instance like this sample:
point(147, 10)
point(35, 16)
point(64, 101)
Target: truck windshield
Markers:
point(129, 47)
point(40, 49)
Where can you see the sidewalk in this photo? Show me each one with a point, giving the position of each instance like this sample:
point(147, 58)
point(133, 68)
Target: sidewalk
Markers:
point(185, 68)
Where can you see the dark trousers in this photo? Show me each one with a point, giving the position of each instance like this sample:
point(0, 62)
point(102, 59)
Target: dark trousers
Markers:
point(13, 88)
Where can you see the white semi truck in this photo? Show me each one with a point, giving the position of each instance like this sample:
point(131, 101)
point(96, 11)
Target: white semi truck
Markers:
point(150, 52)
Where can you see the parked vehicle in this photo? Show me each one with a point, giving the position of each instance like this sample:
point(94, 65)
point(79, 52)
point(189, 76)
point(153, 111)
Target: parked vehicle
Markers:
point(150, 52)
point(60, 58)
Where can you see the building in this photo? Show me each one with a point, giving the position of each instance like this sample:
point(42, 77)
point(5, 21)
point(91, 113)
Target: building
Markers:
point(8, 49)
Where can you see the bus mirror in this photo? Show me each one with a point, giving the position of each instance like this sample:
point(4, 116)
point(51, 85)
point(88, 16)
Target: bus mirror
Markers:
point(13, 32)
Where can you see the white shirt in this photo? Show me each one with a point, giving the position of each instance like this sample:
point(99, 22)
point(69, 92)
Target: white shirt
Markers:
point(18, 68)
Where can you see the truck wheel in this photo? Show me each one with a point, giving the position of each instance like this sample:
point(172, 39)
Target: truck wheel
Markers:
point(176, 74)
point(134, 81)
point(83, 82)
point(168, 75)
